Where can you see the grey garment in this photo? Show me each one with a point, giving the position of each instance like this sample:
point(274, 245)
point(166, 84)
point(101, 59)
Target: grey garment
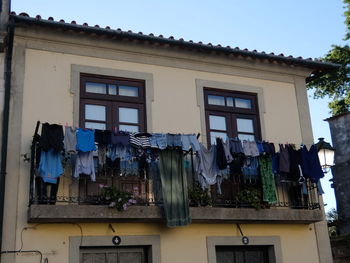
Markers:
point(250, 148)
point(227, 151)
point(102, 154)
point(207, 169)
point(70, 139)
point(85, 165)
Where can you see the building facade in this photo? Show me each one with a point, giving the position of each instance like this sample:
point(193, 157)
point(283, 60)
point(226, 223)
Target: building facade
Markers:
point(91, 77)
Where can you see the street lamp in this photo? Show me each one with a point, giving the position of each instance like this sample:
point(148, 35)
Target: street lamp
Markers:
point(325, 154)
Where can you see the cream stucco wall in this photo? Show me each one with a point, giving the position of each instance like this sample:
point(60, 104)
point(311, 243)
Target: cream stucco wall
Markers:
point(183, 244)
point(42, 91)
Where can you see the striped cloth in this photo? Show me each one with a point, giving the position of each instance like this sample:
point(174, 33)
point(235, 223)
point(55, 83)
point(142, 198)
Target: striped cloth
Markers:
point(138, 140)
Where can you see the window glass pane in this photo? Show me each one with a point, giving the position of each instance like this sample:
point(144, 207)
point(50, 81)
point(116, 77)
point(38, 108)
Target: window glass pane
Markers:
point(95, 125)
point(247, 137)
point(229, 101)
point(95, 112)
point(217, 122)
point(243, 103)
point(216, 100)
point(112, 89)
point(95, 87)
point(129, 128)
point(128, 91)
point(245, 125)
point(213, 136)
point(128, 115)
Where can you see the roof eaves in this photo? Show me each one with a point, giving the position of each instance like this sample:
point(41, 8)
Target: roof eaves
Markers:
point(299, 61)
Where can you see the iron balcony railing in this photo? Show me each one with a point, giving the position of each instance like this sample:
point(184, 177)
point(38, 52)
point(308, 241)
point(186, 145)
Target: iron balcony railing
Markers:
point(144, 186)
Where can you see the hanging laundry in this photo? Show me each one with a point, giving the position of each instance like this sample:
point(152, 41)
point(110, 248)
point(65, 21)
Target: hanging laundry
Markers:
point(220, 155)
point(124, 153)
point(269, 148)
point(86, 140)
point(260, 146)
point(227, 151)
point(236, 146)
point(101, 153)
point(294, 161)
point(174, 140)
point(284, 162)
point(159, 141)
point(250, 148)
point(122, 138)
point(174, 188)
point(189, 140)
point(250, 168)
point(103, 137)
point(85, 165)
point(275, 163)
point(141, 140)
point(267, 180)
point(51, 137)
point(50, 166)
point(70, 139)
point(206, 167)
point(237, 164)
point(311, 164)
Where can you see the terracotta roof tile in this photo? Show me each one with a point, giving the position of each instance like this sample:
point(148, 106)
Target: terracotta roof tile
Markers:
point(151, 37)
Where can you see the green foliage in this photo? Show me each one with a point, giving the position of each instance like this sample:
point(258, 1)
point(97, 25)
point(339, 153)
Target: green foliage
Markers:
point(116, 198)
point(199, 197)
point(336, 84)
point(332, 220)
point(251, 197)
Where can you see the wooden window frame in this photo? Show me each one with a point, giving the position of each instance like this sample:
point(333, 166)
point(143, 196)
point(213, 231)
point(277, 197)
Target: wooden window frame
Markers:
point(112, 101)
point(231, 112)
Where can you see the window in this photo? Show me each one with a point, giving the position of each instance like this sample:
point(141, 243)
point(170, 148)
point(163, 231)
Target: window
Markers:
point(231, 114)
point(242, 254)
point(116, 104)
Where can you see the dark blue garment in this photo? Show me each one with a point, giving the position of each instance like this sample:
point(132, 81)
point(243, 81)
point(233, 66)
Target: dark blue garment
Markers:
point(310, 163)
point(250, 168)
point(275, 163)
point(86, 140)
point(260, 147)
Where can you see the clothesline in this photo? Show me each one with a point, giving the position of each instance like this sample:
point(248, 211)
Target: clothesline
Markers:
point(200, 135)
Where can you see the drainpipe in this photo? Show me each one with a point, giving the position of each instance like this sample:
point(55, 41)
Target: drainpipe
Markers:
point(5, 120)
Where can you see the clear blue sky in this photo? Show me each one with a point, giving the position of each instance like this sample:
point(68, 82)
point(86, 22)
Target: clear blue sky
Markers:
point(304, 28)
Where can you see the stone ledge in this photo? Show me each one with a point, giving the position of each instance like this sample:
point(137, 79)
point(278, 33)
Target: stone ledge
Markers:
point(98, 213)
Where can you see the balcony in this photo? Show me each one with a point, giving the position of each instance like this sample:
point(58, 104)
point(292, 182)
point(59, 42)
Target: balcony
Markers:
point(81, 200)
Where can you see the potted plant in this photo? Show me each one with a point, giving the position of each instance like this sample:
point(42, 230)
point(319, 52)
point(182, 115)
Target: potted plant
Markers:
point(116, 198)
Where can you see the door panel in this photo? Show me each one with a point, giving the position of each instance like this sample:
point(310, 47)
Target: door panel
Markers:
point(242, 254)
point(93, 258)
point(113, 255)
point(130, 257)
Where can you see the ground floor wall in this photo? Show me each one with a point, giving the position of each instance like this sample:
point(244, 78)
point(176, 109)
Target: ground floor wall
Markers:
point(293, 243)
